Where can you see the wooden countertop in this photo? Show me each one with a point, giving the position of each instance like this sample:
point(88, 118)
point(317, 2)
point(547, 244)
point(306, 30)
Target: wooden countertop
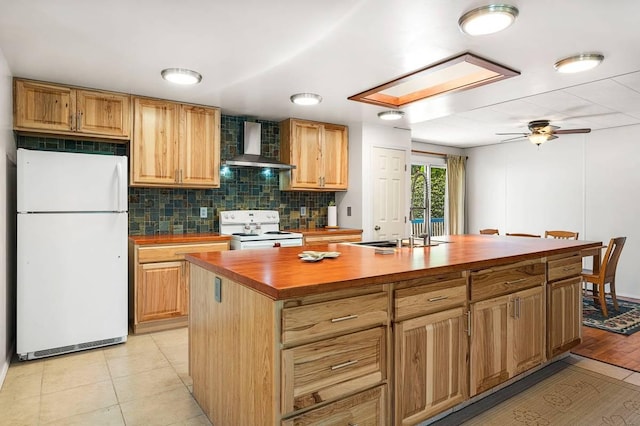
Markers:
point(280, 274)
point(178, 238)
point(325, 231)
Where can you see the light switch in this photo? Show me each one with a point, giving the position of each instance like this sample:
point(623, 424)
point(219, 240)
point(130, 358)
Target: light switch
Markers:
point(203, 212)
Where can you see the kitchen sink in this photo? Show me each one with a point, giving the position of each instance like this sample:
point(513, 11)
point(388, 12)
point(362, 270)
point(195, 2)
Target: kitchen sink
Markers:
point(393, 243)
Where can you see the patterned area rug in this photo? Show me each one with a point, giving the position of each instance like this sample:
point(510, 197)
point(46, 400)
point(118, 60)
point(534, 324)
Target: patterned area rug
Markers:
point(625, 321)
point(558, 395)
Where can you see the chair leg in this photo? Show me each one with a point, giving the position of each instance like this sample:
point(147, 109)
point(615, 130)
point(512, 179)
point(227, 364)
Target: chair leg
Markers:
point(603, 302)
point(612, 287)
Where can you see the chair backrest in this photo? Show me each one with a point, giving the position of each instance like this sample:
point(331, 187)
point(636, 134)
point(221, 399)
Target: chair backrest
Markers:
point(610, 259)
point(515, 234)
point(564, 235)
point(489, 231)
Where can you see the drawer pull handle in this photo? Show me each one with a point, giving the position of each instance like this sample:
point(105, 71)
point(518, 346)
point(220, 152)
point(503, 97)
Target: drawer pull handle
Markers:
point(567, 268)
point(437, 298)
point(348, 317)
point(516, 281)
point(344, 364)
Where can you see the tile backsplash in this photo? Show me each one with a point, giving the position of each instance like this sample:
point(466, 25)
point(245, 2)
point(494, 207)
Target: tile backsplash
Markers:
point(173, 210)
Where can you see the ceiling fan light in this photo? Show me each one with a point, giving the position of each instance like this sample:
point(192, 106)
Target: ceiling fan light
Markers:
point(391, 115)
point(579, 63)
point(488, 19)
point(306, 99)
point(538, 138)
point(181, 76)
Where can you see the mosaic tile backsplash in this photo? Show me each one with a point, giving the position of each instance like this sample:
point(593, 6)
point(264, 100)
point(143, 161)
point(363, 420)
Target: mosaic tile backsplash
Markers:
point(173, 211)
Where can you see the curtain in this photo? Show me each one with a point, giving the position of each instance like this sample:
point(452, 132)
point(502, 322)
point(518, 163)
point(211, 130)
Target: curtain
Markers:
point(456, 193)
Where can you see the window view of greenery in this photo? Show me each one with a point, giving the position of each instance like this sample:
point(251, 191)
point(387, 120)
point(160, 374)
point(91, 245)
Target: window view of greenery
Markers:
point(437, 182)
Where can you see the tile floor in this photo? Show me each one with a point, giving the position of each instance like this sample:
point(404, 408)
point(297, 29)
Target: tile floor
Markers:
point(144, 381)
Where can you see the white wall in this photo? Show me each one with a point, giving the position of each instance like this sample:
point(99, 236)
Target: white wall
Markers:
point(362, 138)
point(585, 183)
point(7, 220)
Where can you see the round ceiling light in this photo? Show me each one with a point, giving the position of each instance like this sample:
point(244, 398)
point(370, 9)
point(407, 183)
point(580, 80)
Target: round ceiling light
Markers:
point(579, 63)
point(391, 115)
point(488, 19)
point(306, 99)
point(181, 76)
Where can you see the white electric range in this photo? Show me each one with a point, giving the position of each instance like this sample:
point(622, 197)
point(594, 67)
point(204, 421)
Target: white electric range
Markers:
point(252, 229)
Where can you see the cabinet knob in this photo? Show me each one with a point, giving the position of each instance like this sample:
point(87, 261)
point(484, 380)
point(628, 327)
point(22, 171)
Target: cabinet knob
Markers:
point(377, 228)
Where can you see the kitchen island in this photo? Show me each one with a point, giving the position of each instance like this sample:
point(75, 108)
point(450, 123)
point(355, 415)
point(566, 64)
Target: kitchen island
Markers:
point(375, 338)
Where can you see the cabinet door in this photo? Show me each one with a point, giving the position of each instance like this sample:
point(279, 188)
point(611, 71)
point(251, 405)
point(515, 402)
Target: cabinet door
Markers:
point(199, 146)
point(489, 343)
point(102, 113)
point(306, 141)
point(154, 148)
point(526, 330)
point(162, 291)
point(334, 157)
point(564, 316)
point(43, 107)
point(431, 359)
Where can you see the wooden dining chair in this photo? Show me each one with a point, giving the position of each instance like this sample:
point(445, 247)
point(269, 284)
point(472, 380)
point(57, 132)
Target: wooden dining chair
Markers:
point(564, 235)
point(517, 234)
point(489, 231)
point(606, 275)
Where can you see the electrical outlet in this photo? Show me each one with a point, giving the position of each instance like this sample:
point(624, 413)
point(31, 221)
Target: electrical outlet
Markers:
point(203, 212)
point(303, 211)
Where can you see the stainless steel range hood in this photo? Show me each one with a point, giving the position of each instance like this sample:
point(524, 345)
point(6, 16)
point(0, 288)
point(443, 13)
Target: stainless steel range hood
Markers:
point(251, 156)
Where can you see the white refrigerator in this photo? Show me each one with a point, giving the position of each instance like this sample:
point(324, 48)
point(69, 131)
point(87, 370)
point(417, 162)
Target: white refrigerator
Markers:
point(72, 252)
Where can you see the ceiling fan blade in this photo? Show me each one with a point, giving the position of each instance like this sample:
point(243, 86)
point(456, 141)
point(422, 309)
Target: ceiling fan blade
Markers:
point(523, 137)
point(550, 138)
point(570, 131)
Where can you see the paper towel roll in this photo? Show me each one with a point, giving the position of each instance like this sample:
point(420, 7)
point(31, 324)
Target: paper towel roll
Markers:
point(332, 216)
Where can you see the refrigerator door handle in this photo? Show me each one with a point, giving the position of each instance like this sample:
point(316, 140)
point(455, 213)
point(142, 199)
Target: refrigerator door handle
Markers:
point(119, 171)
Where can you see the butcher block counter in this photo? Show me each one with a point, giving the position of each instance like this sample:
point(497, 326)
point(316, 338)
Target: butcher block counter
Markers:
point(368, 338)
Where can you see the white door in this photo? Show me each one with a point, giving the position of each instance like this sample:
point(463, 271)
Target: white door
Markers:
point(389, 191)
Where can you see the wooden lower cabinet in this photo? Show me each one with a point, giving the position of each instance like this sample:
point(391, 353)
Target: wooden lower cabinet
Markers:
point(564, 316)
point(159, 284)
point(507, 337)
point(363, 409)
point(329, 238)
point(430, 365)
point(162, 291)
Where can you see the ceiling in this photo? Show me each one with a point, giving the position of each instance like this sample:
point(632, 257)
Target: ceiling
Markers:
point(254, 54)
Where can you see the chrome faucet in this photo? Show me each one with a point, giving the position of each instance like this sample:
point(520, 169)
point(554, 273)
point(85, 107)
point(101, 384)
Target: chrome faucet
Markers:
point(426, 209)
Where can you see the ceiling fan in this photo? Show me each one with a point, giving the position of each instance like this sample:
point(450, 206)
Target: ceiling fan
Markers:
point(540, 131)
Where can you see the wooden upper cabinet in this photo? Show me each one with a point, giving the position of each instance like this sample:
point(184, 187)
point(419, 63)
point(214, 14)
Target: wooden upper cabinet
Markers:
point(320, 153)
point(55, 109)
point(200, 145)
point(175, 145)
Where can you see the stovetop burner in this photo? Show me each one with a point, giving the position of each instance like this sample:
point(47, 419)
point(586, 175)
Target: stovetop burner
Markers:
point(244, 234)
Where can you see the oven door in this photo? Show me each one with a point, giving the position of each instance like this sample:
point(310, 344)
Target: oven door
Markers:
point(260, 244)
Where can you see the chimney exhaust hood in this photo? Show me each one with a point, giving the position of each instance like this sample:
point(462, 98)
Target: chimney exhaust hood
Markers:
point(251, 156)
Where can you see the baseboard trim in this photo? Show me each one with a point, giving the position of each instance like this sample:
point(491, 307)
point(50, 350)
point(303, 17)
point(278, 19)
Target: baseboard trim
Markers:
point(5, 365)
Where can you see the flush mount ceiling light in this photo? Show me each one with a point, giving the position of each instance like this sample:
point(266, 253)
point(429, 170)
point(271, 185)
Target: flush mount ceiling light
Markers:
point(461, 72)
point(391, 115)
point(579, 63)
point(181, 76)
point(487, 19)
point(306, 99)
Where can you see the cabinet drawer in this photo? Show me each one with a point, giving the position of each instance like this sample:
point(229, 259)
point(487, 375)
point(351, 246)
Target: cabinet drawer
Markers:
point(364, 409)
point(318, 320)
point(565, 267)
point(497, 281)
point(176, 252)
point(426, 299)
point(326, 370)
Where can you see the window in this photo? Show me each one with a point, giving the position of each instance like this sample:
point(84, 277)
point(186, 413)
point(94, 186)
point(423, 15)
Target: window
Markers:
point(428, 192)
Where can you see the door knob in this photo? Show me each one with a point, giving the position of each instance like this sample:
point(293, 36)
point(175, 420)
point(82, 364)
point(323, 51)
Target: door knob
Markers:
point(377, 228)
